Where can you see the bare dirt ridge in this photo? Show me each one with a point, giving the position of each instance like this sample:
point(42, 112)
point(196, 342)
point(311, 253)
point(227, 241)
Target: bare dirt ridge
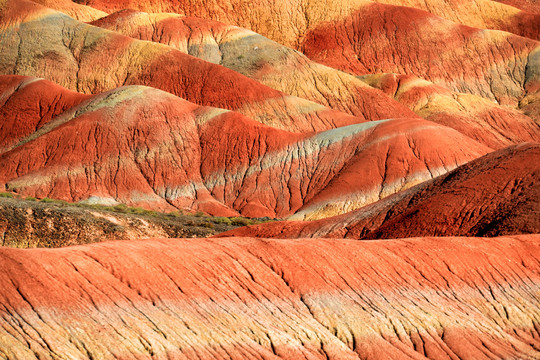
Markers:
point(435, 298)
point(498, 194)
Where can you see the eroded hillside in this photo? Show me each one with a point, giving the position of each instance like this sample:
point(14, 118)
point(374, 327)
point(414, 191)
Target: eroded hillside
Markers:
point(498, 194)
point(437, 298)
point(412, 121)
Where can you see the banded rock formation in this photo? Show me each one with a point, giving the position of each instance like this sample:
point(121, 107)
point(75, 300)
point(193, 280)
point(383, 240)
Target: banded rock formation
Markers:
point(409, 41)
point(525, 5)
point(259, 58)
point(498, 194)
point(486, 14)
point(144, 147)
point(289, 21)
point(185, 110)
point(430, 298)
point(77, 11)
point(493, 125)
point(382, 38)
point(40, 42)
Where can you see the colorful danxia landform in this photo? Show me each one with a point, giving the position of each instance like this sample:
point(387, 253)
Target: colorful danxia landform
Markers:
point(257, 179)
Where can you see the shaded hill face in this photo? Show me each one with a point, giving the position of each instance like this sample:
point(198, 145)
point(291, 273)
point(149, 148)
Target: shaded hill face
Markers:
point(432, 298)
point(144, 147)
point(28, 223)
point(259, 58)
point(346, 167)
point(493, 125)
point(498, 194)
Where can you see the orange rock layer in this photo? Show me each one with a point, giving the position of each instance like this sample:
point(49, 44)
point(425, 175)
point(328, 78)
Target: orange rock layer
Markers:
point(498, 194)
point(430, 298)
point(145, 147)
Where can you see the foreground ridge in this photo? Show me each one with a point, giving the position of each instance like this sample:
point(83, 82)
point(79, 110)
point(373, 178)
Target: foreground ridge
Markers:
point(435, 298)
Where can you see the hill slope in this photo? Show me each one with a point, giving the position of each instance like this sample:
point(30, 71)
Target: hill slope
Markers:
point(289, 21)
point(491, 124)
point(498, 194)
point(431, 298)
point(40, 42)
point(145, 147)
point(492, 64)
point(259, 58)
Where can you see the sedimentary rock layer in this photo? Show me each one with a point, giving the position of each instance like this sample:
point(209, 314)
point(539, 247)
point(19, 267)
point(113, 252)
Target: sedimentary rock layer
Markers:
point(145, 147)
point(491, 124)
point(486, 14)
point(40, 42)
point(27, 104)
point(430, 298)
point(530, 6)
point(495, 195)
point(259, 58)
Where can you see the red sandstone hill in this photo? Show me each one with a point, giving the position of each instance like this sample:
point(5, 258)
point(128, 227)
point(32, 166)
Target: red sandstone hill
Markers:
point(486, 14)
point(427, 298)
point(90, 60)
point(333, 27)
point(289, 71)
point(259, 58)
point(486, 56)
point(382, 38)
point(27, 104)
point(288, 21)
point(493, 125)
point(530, 6)
point(144, 147)
point(498, 194)
point(188, 111)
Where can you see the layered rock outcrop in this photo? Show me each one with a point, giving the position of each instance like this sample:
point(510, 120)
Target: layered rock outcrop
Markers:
point(498, 194)
point(145, 147)
point(431, 298)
